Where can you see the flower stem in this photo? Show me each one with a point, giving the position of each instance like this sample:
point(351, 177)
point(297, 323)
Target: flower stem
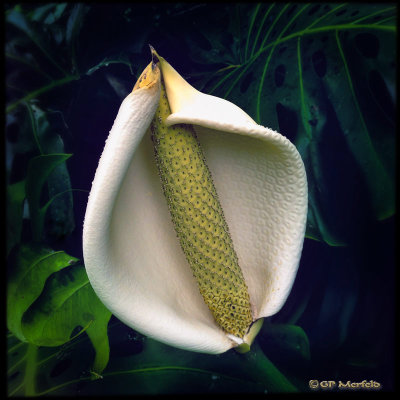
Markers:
point(30, 370)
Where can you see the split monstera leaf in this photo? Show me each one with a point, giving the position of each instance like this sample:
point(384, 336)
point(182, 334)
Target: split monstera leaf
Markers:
point(196, 218)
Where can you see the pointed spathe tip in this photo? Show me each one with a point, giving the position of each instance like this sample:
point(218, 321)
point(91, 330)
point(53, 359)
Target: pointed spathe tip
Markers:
point(154, 56)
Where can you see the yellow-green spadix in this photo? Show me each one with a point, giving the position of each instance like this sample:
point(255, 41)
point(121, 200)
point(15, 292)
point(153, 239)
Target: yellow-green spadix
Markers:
point(196, 266)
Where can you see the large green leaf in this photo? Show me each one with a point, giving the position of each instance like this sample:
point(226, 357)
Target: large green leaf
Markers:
point(138, 366)
point(66, 302)
point(39, 170)
point(15, 204)
point(38, 132)
point(22, 22)
point(288, 347)
point(46, 303)
point(36, 370)
point(51, 61)
point(144, 366)
point(48, 13)
point(322, 75)
point(284, 340)
point(26, 280)
point(46, 128)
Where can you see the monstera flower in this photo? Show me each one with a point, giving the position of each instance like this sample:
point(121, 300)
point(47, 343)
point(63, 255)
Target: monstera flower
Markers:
point(133, 257)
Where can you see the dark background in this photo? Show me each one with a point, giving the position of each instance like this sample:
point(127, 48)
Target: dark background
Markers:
point(343, 297)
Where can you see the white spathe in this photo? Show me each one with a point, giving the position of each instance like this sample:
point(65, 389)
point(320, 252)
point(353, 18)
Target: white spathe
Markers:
point(131, 252)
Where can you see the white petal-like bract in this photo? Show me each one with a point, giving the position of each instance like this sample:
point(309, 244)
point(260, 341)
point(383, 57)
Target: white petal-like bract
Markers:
point(131, 251)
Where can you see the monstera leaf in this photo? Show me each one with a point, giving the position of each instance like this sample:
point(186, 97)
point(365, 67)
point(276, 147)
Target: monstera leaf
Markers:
point(30, 176)
point(60, 210)
point(38, 370)
point(31, 267)
point(140, 365)
point(324, 76)
point(68, 301)
point(48, 297)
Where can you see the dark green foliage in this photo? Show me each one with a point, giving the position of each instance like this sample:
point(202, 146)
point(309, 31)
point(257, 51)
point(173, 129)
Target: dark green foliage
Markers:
point(324, 83)
point(50, 301)
point(321, 74)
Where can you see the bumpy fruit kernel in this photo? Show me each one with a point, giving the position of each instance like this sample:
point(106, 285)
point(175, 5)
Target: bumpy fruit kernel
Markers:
point(199, 221)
